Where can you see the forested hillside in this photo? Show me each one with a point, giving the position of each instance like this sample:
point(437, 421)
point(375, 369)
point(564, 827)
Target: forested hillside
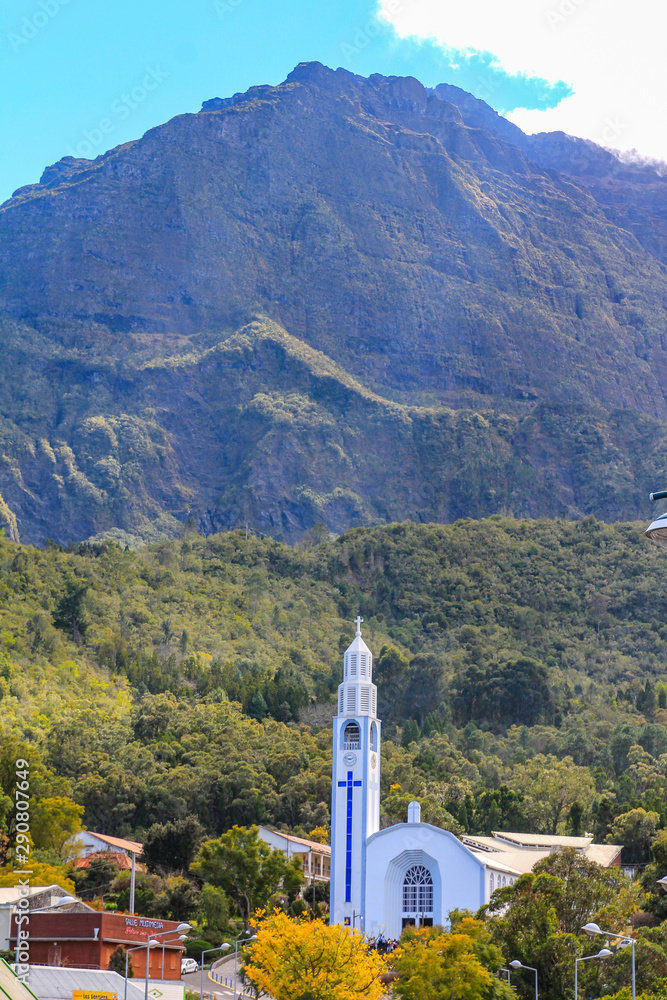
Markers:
point(520, 668)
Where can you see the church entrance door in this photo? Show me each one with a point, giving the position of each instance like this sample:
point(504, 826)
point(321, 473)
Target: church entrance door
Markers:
point(417, 897)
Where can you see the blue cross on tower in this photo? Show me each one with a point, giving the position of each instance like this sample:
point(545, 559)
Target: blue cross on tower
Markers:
point(349, 784)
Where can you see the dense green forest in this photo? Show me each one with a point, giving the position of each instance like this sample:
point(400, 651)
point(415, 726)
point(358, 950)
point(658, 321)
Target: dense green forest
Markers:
point(520, 668)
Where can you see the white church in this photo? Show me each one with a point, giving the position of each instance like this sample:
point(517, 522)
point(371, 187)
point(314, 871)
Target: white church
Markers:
point(412, 872)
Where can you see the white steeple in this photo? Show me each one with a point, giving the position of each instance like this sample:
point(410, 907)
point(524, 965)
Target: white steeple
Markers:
point(355, 793)
point(357, 695)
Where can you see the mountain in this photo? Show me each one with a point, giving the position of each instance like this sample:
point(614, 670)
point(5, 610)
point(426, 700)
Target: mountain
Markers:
point(340, 299)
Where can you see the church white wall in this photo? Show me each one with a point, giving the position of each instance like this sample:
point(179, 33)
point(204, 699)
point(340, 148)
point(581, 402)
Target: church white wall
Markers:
point(459, 877)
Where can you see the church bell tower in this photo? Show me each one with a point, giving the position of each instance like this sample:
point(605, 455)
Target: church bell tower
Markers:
point(355, 793)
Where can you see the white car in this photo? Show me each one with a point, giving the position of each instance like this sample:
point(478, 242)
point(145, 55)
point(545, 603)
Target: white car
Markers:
point(189, 965)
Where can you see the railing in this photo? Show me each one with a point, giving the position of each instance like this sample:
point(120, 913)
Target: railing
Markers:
point(355, 745)
point(228, 981)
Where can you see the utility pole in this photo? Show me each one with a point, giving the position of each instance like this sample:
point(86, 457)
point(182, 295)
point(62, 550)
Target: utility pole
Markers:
point(132, 882)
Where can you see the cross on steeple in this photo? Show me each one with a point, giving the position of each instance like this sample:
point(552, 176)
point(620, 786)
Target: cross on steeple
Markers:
point(358, 621)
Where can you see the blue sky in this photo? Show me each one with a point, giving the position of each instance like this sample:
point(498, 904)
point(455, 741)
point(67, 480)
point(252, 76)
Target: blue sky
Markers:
point(81, 76)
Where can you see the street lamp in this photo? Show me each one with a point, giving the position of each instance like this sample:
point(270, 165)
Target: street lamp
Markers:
point(516, 964)
point(63, 901)
point(149, 944)
point(603, 953)
point(221, 947)
point(657, 530)
point(181, 930)
point(623, 939)
point(181, 937)
point(236, 956)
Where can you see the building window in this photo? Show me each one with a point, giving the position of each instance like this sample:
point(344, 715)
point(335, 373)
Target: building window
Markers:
point(491, 881)
point(365, 699)
point(353, 664)
point(352, 737)
point(418, 891)
point(351, 700)
point(362, 657)
point(374, 736)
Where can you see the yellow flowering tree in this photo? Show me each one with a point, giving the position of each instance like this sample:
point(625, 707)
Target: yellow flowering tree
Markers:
point(309, 960)
point(41, 874)
point(452, 965)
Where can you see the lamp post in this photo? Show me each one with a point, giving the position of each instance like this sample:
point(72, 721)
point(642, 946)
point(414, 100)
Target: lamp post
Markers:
point(181, 930)
point(149, 944)
point(236, 956)
point(221, 947)
point(603, 953)
point(516, 964)
point(181, 937)
point(623, 939)
point(63, 901)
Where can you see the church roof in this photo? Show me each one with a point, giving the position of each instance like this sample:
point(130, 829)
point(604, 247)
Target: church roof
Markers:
point(357, 646)
point(540, 840)
point(403, 828)
point(522, 851)
point(514, 862)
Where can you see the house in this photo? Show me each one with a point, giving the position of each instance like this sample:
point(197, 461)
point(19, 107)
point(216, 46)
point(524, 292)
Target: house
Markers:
point(88, 939)
point(121, 860)
point(38, 897)
point(93, 843)
point(315, 858)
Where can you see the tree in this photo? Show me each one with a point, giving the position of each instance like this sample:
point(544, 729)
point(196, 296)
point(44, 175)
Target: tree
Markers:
point(171, 847)
point(177, 899)
point(70, 614)
point(41, 874)
point(309, 960)
point(454, 965)
point(213, 909)
point(117, 962)
point(389, 672)
point(490, 693)
point(425, 686)
point(550, 788)
point(410, 733)
point(248, 870)
point(538, 919)
point(655, 898)
point(636, 831)
point(97, 877)
point(499, 809)
point(54, 822)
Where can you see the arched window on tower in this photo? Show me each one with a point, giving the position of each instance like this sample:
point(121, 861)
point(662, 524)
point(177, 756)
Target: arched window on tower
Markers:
point(374, 736)
point(352, 737)
point(418, 891)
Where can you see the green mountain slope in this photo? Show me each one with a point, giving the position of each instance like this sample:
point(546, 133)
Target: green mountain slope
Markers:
point(203, 675)
point(335, 300)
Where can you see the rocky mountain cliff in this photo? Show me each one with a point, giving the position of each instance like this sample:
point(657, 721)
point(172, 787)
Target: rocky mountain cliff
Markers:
point(336, 299)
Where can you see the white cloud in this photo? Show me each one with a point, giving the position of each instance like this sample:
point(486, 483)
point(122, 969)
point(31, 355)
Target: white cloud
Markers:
point(611, 52)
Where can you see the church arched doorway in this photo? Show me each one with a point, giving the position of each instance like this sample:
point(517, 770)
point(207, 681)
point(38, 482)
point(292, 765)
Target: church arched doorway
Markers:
point(417, 897)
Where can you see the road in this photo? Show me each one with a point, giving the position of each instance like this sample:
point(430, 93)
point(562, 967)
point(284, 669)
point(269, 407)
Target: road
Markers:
point(193, 982)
